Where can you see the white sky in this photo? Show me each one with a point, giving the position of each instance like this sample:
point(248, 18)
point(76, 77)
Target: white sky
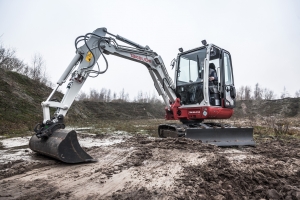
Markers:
point(263, 37)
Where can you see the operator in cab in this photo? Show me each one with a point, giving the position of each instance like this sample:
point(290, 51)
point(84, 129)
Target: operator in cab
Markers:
point(212, 73)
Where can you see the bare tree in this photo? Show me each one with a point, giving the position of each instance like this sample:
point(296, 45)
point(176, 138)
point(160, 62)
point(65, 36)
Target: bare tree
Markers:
point(141, 97)
point(144, 97)
point(82, 96)
point(154, 98)
point(123, 96)
point(248, 92)
point(257, 92)
point(38, 70)
point(102, 95)
point(8, 60)
point(297, 93)
point(26, 70)
point(284, 93)
point(268, 94)
point(108, 96)
point(240, 93)
point(114, 96)
point(94, 95)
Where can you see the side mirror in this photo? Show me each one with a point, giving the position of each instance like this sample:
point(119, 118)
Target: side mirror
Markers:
point(232, 92)
point(173, 62)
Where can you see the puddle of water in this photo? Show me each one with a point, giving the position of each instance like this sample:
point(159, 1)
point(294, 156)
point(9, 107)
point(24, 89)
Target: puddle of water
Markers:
point(141, 125)
point(116, 137)
point(95, 142)
point(79, 128)
point(15, 142)
point(233, 151)
point(120, 133)
point(14, 149)
point(22, 153)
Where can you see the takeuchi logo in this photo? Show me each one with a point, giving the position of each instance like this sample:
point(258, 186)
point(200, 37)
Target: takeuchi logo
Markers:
point(140, 58)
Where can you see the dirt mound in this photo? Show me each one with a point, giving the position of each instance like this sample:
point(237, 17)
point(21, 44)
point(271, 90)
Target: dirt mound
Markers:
point(274, 174)
point(20, 106)
point(287, 107)
point(221, 179)
point(93, 111)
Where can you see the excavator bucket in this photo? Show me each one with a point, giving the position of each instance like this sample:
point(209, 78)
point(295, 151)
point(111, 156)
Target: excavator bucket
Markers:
point(61, 145)
point(223, 136)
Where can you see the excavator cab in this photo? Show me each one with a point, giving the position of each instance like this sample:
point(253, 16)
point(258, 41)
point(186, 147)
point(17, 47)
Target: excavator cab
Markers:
point(192, 77)
point(205, 87)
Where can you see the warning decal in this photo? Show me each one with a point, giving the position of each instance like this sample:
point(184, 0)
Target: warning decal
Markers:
point(89, 56)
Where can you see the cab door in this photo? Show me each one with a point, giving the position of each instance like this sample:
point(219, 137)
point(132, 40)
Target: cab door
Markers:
point(227, 83)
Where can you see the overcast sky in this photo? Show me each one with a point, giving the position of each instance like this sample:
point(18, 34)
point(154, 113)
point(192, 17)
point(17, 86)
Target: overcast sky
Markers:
point(263, 37)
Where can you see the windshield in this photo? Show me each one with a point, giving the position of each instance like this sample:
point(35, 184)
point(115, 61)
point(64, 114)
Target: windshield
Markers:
point(191, 67)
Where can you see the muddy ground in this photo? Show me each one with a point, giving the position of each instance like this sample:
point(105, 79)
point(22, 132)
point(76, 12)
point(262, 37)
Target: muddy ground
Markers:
point(141, 167)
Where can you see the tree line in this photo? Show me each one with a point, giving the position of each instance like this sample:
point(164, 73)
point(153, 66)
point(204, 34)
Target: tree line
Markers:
point(106, 95)
point(261, 93)
point(36, 70)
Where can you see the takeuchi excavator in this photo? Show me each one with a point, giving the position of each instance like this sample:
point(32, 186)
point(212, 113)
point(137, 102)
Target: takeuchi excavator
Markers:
point(193, 97)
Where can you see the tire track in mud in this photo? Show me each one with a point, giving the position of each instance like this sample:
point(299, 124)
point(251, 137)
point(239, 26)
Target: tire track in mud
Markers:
point(153, 168)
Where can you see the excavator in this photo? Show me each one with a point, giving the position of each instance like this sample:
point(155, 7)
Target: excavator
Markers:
point(203, 89)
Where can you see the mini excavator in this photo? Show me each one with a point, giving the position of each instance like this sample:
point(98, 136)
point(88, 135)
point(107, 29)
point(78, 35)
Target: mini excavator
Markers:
point(203, 88)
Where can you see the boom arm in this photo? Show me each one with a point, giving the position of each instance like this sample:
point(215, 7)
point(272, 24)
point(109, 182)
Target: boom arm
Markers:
point(87, 55)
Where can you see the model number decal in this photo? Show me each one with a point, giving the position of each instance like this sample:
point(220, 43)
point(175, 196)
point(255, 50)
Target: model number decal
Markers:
point(195, 112)
point(140, 58)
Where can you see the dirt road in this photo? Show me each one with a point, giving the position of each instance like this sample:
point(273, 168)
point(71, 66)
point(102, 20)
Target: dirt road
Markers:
point(140, 167)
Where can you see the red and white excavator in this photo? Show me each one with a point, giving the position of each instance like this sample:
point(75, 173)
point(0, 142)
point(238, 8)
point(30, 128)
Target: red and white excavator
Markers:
point(203, 88)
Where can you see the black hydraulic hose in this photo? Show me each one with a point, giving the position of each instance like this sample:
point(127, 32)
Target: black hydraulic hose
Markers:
point(77, 41)
point(85, 38)
point(100, 72)
point(93, 56)
point(99, 41)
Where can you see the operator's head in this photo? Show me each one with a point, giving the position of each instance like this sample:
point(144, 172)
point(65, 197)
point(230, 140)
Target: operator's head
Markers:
point(212, 66)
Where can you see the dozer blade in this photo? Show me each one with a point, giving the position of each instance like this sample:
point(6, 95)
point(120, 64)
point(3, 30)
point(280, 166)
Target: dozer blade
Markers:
point(223, 136)
point(62, 145)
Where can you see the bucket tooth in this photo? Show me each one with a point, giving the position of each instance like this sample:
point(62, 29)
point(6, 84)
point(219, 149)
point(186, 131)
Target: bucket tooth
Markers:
point(61, 145)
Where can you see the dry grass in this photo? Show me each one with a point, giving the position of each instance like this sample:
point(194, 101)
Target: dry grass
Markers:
point(141, 126)
point(273, 126)
point(263, 126)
